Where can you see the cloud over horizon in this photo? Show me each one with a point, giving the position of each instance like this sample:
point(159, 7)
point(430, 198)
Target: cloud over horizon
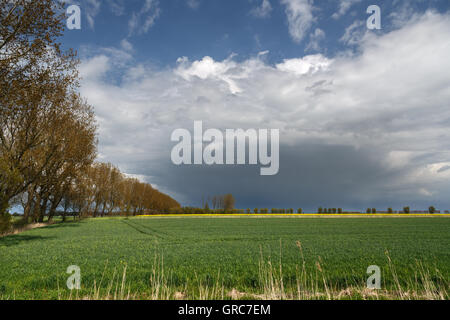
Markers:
point(363, 127)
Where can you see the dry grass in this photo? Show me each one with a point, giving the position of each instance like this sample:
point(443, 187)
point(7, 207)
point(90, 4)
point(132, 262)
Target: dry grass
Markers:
point(308, 286)
point(316, 286)
point(25, 228)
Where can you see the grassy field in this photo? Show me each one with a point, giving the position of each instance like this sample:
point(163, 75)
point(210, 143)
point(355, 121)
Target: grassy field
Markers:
point(234, 257)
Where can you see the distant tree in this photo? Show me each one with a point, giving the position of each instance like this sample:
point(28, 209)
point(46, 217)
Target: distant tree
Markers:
point(206, 208)
point(340, 210)
point(334, 210)
point(299, 210)
point(390, 210)
point(248, 210)
point(368, 210)
point(374, 210)
point(431, 209)
point(406, 210)
point(228, 202)
point(255, 210)
point(320, 210)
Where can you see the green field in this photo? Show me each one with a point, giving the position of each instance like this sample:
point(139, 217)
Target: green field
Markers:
point(208, 257)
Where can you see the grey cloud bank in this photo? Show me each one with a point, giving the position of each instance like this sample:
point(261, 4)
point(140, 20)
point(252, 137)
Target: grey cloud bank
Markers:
point(235, 146)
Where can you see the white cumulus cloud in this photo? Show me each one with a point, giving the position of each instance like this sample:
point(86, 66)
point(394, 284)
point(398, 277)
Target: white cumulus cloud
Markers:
point(300, 17)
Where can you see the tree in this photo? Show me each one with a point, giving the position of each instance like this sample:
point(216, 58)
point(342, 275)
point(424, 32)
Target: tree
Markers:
point(374, 210)
point(206, 208)
point(255, 210)
point(35, 80)
point(5, 222)
point(74, 143)
point(320, 210)
point(390, 210)
point(228, 202)
point(9, 177)
point(406, 209)
point(339, 210)
point(368, 210)
point(299, 210)
point(431, 209)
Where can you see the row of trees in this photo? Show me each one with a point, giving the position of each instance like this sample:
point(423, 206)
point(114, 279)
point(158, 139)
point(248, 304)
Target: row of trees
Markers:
point(48, 140)
point(220, 202)
point(47, 131)
point(206, 210)
point(431, 209)
point(329, 210)
point(102, 190)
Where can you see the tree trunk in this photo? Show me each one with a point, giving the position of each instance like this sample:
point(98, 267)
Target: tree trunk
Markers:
point(52, 211)
point(95, 209)
point(29, 204)
point(43, 209)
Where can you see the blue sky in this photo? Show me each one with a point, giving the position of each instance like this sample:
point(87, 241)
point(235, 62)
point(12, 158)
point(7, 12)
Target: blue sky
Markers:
point(364, 115)
point(218, 28)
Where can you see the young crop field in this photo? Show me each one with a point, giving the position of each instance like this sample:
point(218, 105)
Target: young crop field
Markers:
point(229, 258)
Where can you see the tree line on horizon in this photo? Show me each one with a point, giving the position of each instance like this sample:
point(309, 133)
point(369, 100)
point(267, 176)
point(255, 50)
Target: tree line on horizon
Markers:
point(231, 210)
point(48, 132)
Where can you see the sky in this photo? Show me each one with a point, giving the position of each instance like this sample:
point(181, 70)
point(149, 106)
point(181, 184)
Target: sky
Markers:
point(363, 114)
